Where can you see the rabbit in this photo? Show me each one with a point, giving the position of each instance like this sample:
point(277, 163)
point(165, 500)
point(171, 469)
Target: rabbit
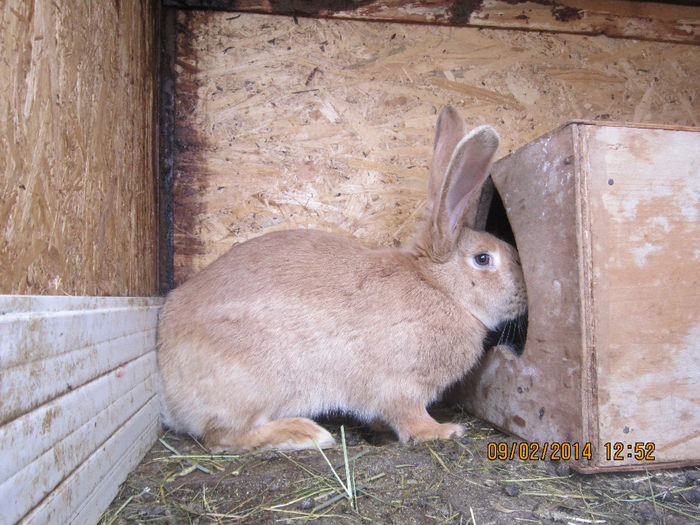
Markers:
point(300, 323)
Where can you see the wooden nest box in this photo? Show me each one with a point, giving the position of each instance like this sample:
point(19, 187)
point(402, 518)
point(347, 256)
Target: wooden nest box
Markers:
point(606, 222)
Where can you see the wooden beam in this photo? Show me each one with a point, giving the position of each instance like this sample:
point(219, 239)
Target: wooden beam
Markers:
point(166, 168)
point(619, 19)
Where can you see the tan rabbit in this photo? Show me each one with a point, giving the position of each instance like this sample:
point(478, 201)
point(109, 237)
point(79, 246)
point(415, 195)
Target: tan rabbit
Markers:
point(301, 323)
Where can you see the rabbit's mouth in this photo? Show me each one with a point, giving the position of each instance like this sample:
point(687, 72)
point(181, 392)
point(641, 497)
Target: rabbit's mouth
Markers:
point(511, 333)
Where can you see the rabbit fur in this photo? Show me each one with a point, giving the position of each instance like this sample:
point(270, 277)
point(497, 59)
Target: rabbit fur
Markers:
point(300, 323)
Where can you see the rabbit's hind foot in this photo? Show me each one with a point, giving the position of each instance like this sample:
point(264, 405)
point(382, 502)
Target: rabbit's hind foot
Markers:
point(294, 433)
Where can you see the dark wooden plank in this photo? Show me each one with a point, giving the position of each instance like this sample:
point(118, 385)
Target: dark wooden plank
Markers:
point(166, 160)
point(623, 18)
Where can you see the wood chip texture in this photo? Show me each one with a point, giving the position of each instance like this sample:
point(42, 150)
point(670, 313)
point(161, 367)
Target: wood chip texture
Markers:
point(285, 123)
point(77, 94)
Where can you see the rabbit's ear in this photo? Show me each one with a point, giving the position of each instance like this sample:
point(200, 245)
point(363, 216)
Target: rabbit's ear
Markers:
point(460, 167)
point(449, 130)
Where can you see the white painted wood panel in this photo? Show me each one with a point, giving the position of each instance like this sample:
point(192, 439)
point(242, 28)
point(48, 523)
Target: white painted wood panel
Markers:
point(69, 330)
point(79, 402)
point(56, 438)
point(95, 483)
point(25, 386)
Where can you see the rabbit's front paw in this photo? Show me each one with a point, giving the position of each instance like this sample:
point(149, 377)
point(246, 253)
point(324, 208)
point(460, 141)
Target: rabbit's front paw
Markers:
point(439, 431)
point(450, 430)
point(419, 426)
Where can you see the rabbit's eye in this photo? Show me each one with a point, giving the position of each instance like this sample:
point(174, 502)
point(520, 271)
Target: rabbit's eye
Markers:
point(482, 259)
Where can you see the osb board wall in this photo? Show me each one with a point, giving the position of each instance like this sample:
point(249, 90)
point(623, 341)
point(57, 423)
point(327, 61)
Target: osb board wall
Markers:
point(77, 99)
point(285, 122)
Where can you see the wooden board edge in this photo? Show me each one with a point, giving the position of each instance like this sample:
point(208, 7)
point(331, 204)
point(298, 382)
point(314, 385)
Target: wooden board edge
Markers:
point(602, 123)
point(587, 468)
point(35, 304)
point(637, 125)
point(589, 380)
point(620, 19)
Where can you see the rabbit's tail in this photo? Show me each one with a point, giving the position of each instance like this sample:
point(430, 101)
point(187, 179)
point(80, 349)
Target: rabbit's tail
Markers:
point(293, 433)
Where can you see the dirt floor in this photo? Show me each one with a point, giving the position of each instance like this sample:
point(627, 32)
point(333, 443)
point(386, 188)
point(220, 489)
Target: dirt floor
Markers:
point(438, 482)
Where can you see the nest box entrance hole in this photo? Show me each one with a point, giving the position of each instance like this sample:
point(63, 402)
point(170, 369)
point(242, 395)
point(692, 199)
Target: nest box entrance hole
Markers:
point(493, 218)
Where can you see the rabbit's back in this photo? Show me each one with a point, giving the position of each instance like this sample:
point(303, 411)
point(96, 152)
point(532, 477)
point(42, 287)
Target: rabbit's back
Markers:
point(282, 278)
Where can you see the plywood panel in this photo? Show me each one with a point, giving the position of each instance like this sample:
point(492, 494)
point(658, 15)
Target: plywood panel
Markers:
point(645, 209)
point(77, 150)
point(286, 123)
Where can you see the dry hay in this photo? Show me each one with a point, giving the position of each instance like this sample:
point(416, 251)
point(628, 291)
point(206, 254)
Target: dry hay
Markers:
point(435, 482)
